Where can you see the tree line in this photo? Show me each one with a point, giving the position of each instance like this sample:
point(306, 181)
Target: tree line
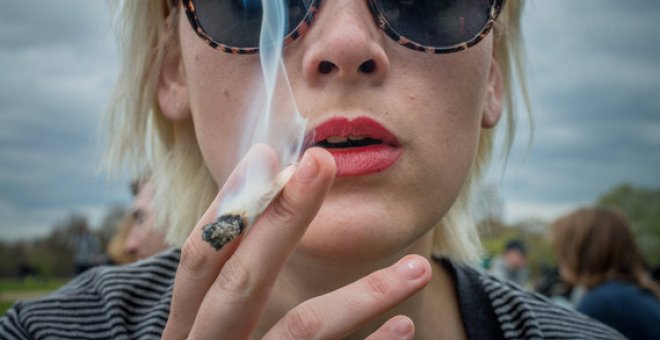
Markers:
point(51, 256)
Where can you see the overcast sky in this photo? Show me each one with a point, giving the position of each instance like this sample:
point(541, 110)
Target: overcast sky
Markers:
point(594, 79)
point(595, 85)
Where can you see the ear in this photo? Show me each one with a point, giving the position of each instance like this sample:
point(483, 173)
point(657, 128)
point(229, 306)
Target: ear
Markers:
point(172, 89)
point(494, 96)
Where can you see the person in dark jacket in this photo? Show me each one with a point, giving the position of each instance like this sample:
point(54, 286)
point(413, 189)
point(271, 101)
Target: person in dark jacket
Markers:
point(595, 249)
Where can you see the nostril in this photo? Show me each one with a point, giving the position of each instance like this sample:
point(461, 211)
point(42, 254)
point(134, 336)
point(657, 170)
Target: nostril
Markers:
point(368, 66)
point(326, 67)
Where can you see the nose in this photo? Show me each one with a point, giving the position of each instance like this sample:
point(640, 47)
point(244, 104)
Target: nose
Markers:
point(344, 44)
point(132, 242)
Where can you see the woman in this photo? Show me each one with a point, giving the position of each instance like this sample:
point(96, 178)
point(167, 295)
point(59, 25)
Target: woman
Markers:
point(596, 250)
point(360, 243)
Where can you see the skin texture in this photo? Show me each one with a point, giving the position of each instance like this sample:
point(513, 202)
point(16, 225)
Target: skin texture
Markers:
point(313, 240)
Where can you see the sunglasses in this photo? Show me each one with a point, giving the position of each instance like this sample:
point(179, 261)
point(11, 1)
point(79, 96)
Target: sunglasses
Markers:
point(433, 26)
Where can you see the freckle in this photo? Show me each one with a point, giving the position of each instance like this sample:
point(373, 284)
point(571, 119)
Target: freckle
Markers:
point(226, 94)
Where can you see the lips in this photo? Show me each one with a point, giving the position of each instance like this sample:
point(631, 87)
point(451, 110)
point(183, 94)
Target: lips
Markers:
point(360, 146)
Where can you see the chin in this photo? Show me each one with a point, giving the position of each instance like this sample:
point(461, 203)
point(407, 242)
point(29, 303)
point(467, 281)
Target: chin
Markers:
point(348, 232)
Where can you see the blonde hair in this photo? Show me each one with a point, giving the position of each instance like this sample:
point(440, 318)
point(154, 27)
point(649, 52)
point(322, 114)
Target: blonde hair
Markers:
point(456, 236)
point(594, 245)
point(138, 133)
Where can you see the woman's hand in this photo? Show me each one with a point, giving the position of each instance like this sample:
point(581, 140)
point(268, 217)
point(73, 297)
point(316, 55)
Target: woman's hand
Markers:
point(221, 294)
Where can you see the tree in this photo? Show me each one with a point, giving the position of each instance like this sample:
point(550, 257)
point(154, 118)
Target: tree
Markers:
point(642, 206)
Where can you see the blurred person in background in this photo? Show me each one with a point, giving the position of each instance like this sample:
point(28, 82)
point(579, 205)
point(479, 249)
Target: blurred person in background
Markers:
point(512, 264)
point(116, 250)
point(595, 249)
point(144, 237)
point(137, 235)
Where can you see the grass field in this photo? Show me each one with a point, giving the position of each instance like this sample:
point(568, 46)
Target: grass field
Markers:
point(12, 290)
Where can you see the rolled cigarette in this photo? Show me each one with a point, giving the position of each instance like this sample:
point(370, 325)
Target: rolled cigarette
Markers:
point(232, 223)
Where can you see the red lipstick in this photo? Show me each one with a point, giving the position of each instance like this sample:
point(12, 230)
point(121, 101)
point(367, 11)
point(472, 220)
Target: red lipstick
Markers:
point(360, 146)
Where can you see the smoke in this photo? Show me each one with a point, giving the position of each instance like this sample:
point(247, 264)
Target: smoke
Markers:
point(273, 120)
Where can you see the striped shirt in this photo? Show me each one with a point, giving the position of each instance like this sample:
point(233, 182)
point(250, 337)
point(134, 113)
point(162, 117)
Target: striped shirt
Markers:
point(133, 302)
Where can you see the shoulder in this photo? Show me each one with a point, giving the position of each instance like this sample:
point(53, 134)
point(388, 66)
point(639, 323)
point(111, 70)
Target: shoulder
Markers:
point(614, 293)
point(526, 315)
point(638, 319)
point(617, 289)
point(604, 300)
point(104, 302)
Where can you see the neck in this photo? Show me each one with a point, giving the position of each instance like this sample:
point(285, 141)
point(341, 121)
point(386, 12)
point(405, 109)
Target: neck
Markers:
point(434, 310)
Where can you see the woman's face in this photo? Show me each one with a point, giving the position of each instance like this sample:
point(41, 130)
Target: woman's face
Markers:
point(433, 106)
point(144, 238)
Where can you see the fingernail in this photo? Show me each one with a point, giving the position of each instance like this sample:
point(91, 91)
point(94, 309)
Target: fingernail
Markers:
point(307, 168)
point(411, 268)
point(401, 327)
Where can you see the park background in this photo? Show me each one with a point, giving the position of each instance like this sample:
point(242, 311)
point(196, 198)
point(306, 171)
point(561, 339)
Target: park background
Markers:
point(594, 81)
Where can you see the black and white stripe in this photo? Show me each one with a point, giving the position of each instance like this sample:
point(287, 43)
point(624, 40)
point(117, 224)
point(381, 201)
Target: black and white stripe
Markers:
point(130, 302)
point(525, 315)
point(133, 302)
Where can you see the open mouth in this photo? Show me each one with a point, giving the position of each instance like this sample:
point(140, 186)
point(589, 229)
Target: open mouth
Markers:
point(360, 146)
point(341, 133)
point(338, 142)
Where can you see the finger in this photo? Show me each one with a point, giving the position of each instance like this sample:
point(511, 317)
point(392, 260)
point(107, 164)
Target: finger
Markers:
point(200, 263)
point(232, 305)
point(339, 313)
point(397, 328)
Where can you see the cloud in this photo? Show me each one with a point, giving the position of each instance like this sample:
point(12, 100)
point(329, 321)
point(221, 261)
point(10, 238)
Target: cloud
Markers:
point(525, 210)
point(594, 79)
point(58, 62)
point(26, 25)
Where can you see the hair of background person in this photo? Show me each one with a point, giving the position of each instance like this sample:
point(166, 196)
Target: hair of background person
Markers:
point(516, 245)
point(594, 245)
point(184, 188)
point(115, 249)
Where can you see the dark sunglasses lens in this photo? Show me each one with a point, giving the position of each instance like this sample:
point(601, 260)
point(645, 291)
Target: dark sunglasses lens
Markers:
point(237, 23)
point(436, 23)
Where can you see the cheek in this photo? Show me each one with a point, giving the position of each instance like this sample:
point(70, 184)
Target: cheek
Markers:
point(219, 91)
point(448, 105)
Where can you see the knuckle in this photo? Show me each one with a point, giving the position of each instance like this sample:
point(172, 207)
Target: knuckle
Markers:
point(377, 287)
point(302, 323)
point(284, 209)
point(235, 279)
point(192, 259)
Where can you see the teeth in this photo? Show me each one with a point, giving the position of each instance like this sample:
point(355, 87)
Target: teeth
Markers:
point(336, 139)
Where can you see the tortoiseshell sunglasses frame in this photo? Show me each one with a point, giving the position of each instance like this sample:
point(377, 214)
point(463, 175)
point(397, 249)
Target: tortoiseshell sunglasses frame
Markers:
point(306, 22)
